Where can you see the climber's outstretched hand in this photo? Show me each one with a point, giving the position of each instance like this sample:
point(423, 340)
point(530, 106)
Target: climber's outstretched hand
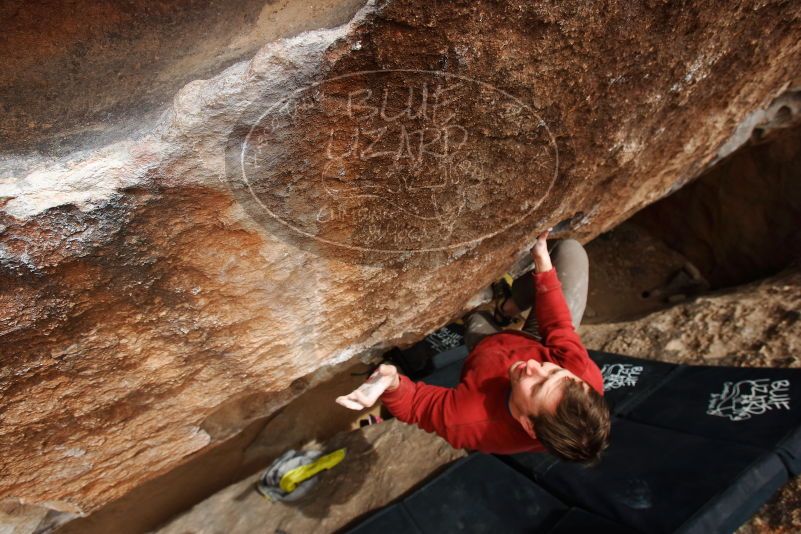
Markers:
point(385, 377)
point(539, 252)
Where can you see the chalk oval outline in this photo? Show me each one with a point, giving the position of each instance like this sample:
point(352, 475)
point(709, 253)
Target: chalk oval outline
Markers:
point(400, 251)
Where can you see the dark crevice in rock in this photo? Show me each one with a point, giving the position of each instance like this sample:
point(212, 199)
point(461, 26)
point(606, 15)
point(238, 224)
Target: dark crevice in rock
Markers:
point(739, 221)
point(736, 223)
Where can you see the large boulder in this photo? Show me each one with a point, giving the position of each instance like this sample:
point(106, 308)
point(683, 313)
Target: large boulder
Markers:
point(342, 191)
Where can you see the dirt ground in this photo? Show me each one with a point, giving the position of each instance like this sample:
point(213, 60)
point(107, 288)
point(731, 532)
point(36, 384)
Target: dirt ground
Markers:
point(630, 275)
point(383, 462)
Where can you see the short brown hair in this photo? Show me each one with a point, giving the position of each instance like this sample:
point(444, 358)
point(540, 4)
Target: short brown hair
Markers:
point(578, 430)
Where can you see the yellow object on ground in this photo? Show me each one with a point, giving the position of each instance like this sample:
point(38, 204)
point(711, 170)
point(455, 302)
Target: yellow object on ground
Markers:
point(292, 478)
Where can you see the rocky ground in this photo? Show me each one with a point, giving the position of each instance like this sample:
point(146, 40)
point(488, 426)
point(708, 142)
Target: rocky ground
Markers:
point(752, 325)
point(383, 462)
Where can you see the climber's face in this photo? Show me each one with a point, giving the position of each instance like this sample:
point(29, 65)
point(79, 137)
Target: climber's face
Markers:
point(537, 386)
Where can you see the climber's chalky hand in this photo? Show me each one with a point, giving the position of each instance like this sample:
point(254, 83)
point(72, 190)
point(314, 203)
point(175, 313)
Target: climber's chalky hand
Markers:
point(386, 376)
point(539, 252)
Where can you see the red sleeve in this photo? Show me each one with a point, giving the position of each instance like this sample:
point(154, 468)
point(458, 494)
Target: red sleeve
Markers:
point(556, 328)
point(432, 408)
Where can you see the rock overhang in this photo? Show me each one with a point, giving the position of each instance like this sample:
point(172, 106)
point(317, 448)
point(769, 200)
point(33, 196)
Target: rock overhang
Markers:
point(145, 284)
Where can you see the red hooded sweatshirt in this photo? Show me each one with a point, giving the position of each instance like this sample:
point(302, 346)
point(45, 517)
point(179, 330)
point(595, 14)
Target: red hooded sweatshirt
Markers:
point(475, 414)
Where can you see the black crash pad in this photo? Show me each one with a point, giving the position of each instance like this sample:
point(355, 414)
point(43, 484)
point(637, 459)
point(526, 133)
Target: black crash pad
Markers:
point(448, 376)
point(577, 521)
point(436, 350)
point(628, 381)
point(478, 494)
point(390, 520)
point(482, 494)
point(754, 406)
point(659, 480)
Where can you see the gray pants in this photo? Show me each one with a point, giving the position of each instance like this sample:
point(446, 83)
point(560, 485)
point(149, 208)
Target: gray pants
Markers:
point(572, 267)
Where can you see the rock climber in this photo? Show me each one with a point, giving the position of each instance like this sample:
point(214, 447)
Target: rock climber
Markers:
point(523, 390)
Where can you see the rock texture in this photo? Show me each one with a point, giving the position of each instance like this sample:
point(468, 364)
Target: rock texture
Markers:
point(160, 291)
point(87, 73)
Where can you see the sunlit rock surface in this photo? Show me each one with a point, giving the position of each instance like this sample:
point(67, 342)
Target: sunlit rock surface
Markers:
point(282, 215)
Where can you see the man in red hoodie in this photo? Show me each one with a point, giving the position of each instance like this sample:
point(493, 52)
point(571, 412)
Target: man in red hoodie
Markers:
point(530, 390)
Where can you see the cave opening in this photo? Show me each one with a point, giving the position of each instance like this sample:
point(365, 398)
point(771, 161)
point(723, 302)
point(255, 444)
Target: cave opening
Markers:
point(736, 223)
point(739, 222)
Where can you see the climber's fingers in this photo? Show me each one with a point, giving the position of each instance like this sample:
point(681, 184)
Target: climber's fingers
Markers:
point(347, 402)
point(540, 248)
point(360, 397)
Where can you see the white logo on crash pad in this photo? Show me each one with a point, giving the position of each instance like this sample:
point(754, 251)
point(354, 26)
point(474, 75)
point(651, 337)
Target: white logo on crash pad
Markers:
point(739, 401)
point(444, 339)
point(618, 375)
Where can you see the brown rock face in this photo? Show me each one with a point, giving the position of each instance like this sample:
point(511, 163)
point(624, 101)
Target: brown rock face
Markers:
point(86, 72)
point(343, 190)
